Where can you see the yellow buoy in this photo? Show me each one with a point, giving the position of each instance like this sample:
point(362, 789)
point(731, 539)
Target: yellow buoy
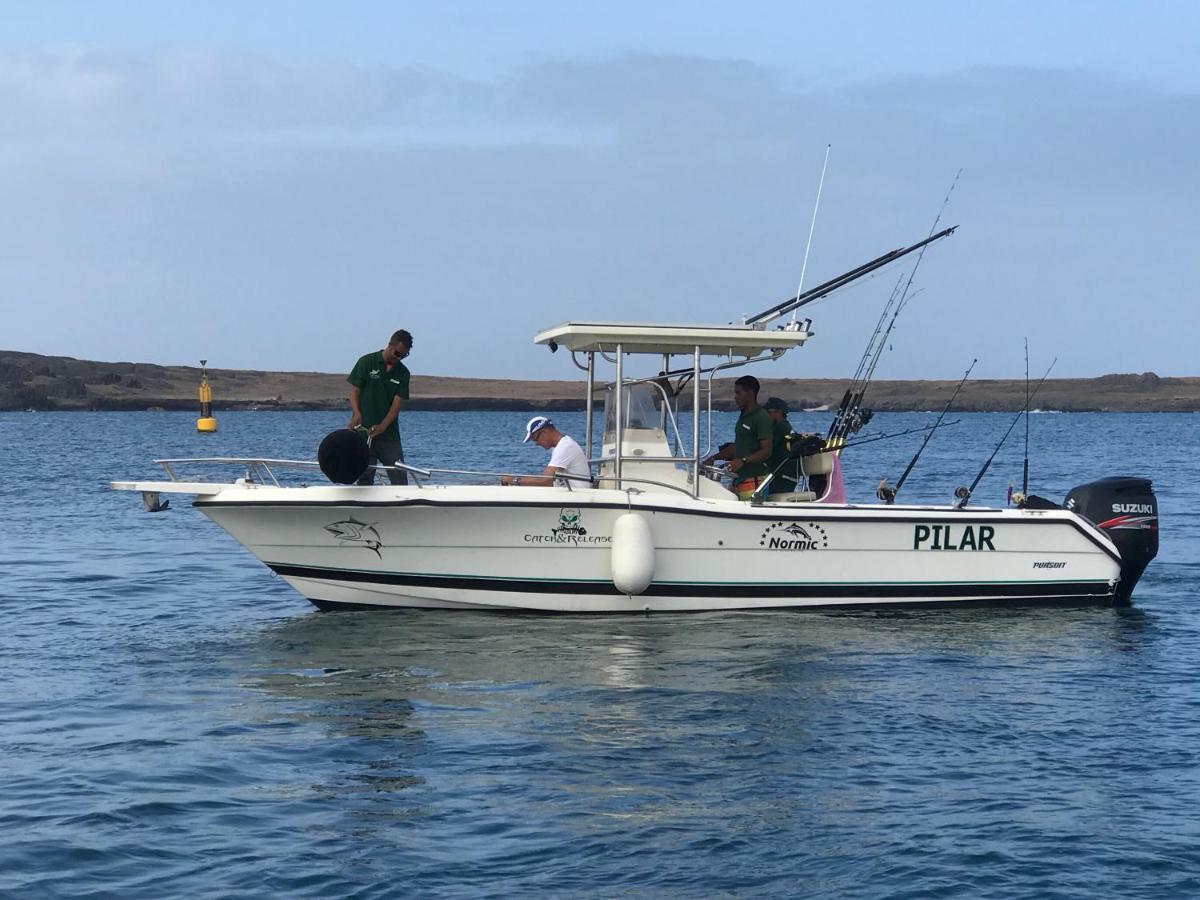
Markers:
point(206, 422)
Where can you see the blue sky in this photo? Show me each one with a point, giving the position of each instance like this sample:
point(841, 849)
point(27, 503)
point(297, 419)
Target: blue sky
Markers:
point(279, 186)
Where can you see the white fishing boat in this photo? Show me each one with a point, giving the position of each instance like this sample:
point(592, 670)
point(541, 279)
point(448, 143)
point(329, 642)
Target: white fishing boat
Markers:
point(652, 531)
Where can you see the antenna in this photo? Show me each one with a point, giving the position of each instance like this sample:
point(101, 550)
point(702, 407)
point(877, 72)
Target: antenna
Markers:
point(811, 228)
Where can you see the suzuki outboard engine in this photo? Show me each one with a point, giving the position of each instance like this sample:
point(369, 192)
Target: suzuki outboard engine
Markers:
point(1126, 509)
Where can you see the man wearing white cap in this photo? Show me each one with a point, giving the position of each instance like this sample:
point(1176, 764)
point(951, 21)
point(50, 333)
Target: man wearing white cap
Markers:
point(566, 457)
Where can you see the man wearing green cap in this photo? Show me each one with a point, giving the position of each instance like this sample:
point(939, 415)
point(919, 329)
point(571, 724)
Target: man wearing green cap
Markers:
point(782, 463)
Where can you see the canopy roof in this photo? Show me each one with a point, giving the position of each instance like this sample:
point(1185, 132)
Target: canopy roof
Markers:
point(638, 337)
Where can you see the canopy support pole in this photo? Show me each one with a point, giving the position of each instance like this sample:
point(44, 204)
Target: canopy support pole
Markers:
point(696, 422)
point(620, 411)
point(591, 390)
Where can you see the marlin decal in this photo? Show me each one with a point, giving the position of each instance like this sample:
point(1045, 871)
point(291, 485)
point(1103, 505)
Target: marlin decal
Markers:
point(351, 531)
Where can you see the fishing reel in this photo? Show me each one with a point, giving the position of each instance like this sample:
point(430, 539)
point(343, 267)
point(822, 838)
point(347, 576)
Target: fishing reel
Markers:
point(803, 444)
point(885, 492)
point(858, 419)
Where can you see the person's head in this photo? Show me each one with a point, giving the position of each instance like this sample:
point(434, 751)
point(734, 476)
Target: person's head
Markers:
point(542, 432)
point(399, 346)
point(776, 408)
point(745, 393)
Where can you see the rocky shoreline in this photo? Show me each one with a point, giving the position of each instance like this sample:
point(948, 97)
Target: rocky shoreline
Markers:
point(33, 381)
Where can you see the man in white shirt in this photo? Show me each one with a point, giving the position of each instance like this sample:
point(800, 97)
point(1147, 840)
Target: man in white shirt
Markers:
point(566, 457)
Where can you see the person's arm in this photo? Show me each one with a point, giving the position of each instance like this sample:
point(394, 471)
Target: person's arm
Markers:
point(393, 411)
point(546, 479)
point(761, 455)
point(355, 412)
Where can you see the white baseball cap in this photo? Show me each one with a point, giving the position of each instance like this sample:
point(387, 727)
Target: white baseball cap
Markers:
point(534, 425)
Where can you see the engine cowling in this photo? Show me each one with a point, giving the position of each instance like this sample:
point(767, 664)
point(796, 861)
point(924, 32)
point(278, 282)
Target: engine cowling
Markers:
point(1126, 509)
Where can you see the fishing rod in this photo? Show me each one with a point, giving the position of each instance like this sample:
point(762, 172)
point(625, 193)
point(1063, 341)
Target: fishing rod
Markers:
point(1025, 472)
point(888, 494)
point(964, 493)
point(852, 418)
point(812, 227)
point(863, 362)
point(821, 290)
point(882, 437)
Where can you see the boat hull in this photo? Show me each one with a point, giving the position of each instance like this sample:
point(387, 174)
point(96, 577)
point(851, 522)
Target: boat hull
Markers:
point(550, 549)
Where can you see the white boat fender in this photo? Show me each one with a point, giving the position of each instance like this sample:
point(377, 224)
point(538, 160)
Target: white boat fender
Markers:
point(632, 554)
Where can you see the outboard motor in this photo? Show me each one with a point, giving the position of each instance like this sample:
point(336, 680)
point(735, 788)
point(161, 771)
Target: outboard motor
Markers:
point(1127, 510)
point(343, 456)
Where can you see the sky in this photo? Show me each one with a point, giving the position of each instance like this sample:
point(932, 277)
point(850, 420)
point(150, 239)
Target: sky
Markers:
point(275, 185)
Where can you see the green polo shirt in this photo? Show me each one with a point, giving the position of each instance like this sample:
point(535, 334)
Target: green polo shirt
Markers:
point(785, 478)
point(750, 429)
point(377, 385)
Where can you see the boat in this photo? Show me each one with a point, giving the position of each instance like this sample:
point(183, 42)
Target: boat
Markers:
point(653, 530)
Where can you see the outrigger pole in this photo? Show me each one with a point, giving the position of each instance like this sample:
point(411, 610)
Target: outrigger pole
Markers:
point(833, 284)
point(964, 493)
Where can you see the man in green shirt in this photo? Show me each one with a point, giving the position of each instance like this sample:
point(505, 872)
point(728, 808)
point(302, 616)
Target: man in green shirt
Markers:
point(785, 466)
point(379, 389)
point(752, 440)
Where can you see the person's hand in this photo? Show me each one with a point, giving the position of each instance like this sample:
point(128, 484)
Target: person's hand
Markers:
point(355, 421)
point(734, 465)
point(374, 431)
point(507, 480)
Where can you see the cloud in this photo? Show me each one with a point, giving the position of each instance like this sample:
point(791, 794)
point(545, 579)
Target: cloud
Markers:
point(290, 215)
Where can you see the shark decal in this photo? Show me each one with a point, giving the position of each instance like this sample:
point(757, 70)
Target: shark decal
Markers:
point(361, 534)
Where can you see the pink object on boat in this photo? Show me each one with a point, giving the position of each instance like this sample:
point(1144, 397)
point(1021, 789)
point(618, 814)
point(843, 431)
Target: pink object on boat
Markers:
point(836, 491)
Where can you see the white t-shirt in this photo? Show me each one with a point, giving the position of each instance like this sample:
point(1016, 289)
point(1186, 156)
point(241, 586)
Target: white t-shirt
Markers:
point(568, 456)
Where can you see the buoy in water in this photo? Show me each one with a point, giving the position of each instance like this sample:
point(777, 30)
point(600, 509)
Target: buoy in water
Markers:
point(632, 554)
point(206, 423)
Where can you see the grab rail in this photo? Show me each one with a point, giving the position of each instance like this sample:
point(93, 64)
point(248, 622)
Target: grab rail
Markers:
point(263, 466)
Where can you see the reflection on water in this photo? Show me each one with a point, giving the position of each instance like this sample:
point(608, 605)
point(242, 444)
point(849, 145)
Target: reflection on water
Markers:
point(618, 733)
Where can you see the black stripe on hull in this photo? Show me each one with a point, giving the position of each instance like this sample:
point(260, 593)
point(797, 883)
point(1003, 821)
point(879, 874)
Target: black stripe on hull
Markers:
point(1084, 591)
point(1070, 602)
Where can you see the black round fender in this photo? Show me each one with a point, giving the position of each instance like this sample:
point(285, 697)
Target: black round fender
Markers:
point(343, 456)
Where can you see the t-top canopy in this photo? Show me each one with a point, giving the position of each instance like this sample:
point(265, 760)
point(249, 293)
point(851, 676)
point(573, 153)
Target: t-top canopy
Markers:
point(634, 337)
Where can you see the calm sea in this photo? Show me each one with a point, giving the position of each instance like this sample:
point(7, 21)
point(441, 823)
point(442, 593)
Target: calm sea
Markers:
point(176, 722)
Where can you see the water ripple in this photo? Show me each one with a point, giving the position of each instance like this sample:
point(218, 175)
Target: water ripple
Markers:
point(174, 721)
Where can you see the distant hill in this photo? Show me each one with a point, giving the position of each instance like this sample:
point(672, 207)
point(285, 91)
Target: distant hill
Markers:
point(31, 381)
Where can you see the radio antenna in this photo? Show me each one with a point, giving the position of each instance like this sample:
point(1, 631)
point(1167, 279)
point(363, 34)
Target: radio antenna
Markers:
point(811, 228)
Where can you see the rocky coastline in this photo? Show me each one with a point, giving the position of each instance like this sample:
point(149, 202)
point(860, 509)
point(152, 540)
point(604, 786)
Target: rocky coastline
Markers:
point(33, 381)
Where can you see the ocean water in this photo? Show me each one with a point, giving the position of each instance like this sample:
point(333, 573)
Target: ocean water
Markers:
point(176, 722)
